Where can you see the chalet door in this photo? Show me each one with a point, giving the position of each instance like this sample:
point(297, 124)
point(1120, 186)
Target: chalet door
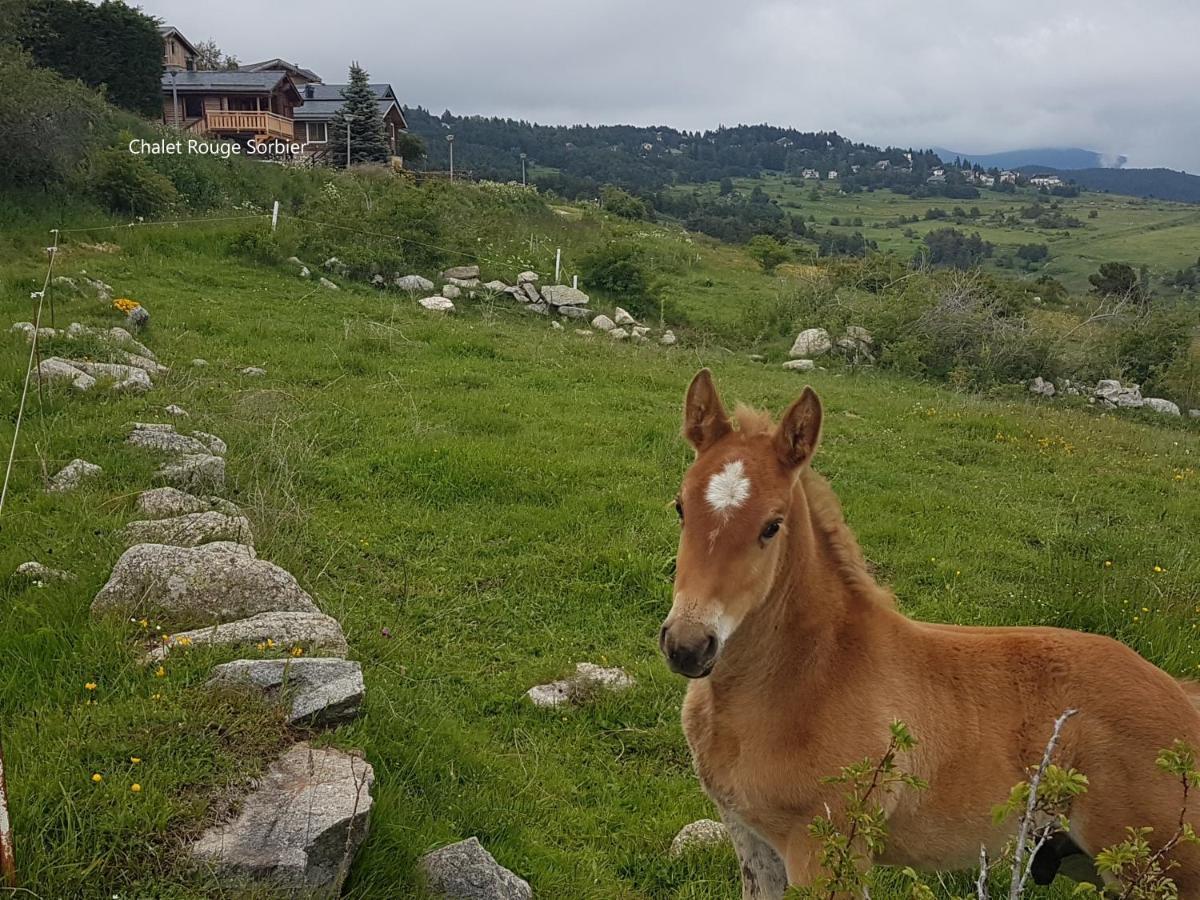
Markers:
point(193, 107)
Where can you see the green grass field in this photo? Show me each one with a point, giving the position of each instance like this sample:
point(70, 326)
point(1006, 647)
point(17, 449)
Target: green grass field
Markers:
point(497, 496)
point(1162, 235)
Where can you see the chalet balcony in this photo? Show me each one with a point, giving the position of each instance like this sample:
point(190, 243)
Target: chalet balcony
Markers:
point(264, 125)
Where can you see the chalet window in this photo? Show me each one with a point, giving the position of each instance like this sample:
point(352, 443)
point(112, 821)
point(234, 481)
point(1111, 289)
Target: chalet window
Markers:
point(317, 133)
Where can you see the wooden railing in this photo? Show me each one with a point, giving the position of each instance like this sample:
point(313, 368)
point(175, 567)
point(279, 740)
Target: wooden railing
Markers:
point(249, 122)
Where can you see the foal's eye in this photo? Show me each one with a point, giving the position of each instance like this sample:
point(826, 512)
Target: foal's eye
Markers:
point(679, 509)
point(771, 530)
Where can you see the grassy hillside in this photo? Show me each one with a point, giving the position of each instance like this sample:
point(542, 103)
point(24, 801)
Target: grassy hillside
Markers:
point(1161, 235)
point(483, 501)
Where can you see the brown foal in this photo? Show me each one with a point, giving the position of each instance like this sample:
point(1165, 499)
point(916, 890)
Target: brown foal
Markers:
point(799, 662)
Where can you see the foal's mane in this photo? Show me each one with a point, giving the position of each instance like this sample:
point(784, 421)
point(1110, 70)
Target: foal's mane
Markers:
point(827, 517)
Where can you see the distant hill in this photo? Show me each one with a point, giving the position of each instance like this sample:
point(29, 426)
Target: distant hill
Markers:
point(575, 161)
point(1160, 184)
point(1045, 157)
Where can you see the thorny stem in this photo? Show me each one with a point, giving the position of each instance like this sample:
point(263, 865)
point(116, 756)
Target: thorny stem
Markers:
point(1020, 871)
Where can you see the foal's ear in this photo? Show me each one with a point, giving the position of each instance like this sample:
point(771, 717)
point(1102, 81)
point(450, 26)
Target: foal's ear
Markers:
point(799, 430)
point(704, 417)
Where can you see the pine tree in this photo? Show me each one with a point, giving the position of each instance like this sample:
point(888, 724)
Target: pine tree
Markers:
point(368, 140)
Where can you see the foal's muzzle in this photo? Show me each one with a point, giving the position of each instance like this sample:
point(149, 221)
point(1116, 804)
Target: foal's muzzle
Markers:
point(691, 650)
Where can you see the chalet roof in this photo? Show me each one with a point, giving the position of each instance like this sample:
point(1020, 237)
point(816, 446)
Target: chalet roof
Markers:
point(322, 101)
point(334, 91)
point(283, 65)
point(323, 110)
point(227, 82)
point(167, 30)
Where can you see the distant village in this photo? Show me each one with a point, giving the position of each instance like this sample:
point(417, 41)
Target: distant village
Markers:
point(264, 102)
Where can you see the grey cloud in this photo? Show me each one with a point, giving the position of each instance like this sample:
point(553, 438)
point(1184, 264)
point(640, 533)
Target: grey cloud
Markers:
point(1107, 76)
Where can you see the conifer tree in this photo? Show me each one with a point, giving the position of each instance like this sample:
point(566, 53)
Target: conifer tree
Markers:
point(360, 111)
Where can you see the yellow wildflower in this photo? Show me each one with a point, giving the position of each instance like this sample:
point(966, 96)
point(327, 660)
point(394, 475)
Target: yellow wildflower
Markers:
point(136, 788)
point(297, 651)
point(125, 305)
point(160, 672)
point(97, 777)
point(1108, 564)
point(91, 685)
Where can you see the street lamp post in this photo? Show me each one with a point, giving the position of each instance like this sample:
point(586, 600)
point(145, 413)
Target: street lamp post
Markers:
point(348, 119)
point(523, 155)
point(450, 141)
point(175, 96)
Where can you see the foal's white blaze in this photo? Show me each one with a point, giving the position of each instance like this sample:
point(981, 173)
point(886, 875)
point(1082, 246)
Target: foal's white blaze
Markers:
point(729, 488)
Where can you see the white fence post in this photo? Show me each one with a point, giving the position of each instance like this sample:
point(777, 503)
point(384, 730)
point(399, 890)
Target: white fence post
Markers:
point(557, 264)
point(275, 215)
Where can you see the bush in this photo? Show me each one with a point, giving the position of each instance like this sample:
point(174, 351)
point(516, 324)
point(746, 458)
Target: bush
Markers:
point(256, 245)
point(126, 183)
point(50, 123)
point(767, 251)
point(617, 268)
point(622, 203)
point(1150, 348)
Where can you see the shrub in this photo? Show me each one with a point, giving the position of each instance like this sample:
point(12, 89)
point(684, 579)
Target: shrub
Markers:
point(1146, 351)
point(126, 183)
point(256, 245)
point(622, 203)
point(767, 251)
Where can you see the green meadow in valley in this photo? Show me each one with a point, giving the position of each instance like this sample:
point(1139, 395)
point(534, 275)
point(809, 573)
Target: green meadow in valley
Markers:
point(484, 501)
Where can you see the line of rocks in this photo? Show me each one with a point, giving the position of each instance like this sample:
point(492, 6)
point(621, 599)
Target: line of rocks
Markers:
point(565, 301)
point(134, 372)
point(191, 567)
point(1108, 393)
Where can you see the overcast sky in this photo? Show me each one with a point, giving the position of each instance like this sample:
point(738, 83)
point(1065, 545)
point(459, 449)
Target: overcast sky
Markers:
point(1106, 76)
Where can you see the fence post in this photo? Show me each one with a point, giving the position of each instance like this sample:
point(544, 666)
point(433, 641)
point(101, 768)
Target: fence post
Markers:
point(275, 215)
point(557, 263)
point(575, 282)
point(8, 862)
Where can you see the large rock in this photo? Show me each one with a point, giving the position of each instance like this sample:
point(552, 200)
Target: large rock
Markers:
point(574, 312)
point(184, 587)
point(189, 530)
point(588, 680)
point(413, 284)
point(603, 323)
point(300, 827)
point(72, 474)
point(811, 342)
point(668, 338)
point(283, 630)
point(164, 502)
point(527, 278)
point(466, 871)
point(530, 291)
point(800, 365)
point(621, 317)
point(437, 304)
point(1042, 387)
point(37, 573)
point(317, 691)
point(123, 378)
point(461, 272)
point(451, 291)
point(466, 284)
point(164, 438)
point(194, 471)
point(1158, 404)
point(1112, 393)
point(497, 287)
point(56, 370)
point(564, 295)
point(701, 833)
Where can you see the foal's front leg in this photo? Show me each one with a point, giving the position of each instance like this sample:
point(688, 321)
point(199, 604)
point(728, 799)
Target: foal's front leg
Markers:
point(764, 876)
